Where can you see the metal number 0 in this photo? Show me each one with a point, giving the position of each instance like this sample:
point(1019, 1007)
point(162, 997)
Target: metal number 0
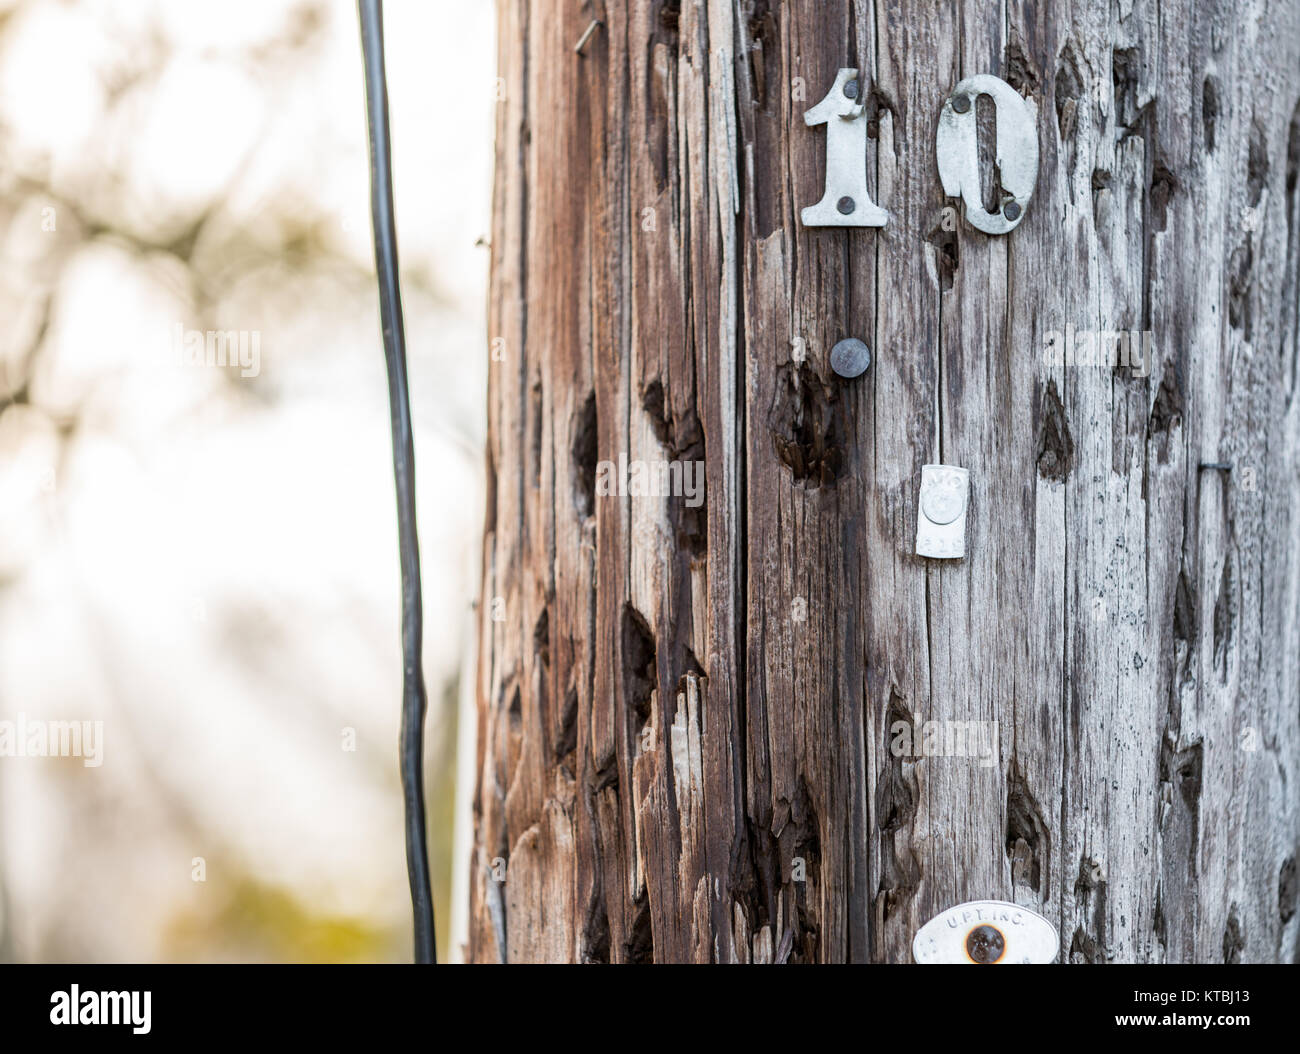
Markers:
point(1017, 147)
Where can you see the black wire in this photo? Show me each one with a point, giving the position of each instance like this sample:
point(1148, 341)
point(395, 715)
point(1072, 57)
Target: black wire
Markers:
point(390, 313)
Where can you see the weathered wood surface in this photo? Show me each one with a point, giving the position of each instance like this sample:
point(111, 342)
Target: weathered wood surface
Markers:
point(685, 715)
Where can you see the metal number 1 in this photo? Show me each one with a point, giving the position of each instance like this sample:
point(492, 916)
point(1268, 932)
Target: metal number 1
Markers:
point(846, 202)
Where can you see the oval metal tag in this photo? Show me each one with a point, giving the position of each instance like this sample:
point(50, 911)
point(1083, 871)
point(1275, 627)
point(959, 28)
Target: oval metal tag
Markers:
point(986, 932)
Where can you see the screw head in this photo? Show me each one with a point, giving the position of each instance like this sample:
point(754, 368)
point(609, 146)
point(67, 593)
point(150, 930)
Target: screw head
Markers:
point(846, 205)
point(985, 945)
point(961, 103)
point(851, 89)
point(850, 358)
point(1011, 211)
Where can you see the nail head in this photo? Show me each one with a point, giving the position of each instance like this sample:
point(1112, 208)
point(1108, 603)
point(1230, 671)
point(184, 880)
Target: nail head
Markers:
point(985, 945)
point(850, 358)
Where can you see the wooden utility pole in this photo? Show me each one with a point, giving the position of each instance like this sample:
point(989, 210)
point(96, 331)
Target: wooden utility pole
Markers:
point(690, 717)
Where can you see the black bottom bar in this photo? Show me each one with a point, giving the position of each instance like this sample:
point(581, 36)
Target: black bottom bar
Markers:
point(997, 1007)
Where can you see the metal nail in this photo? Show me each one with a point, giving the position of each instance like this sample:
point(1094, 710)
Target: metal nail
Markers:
point(961, 103)
point(985, 945)
point(850, 358)
point(845, 205)
point(582, 41)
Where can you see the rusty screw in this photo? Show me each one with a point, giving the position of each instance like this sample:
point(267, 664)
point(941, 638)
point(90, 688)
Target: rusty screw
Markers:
point(985, 945)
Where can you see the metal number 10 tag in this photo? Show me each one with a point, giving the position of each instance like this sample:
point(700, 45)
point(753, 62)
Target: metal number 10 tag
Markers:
point(846, 202)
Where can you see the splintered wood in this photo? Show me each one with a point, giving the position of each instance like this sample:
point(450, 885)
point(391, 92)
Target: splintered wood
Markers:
point(718, 731)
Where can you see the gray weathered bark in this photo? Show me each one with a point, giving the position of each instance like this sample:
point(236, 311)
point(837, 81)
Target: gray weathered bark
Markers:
point(686, 715)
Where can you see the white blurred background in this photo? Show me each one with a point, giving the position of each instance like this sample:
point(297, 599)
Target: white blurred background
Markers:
point(204, 557)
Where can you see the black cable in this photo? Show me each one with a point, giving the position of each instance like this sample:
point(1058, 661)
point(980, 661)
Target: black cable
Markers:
point(399, 403)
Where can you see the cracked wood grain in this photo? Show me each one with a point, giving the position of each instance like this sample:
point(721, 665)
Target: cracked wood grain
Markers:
point(685, 714)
